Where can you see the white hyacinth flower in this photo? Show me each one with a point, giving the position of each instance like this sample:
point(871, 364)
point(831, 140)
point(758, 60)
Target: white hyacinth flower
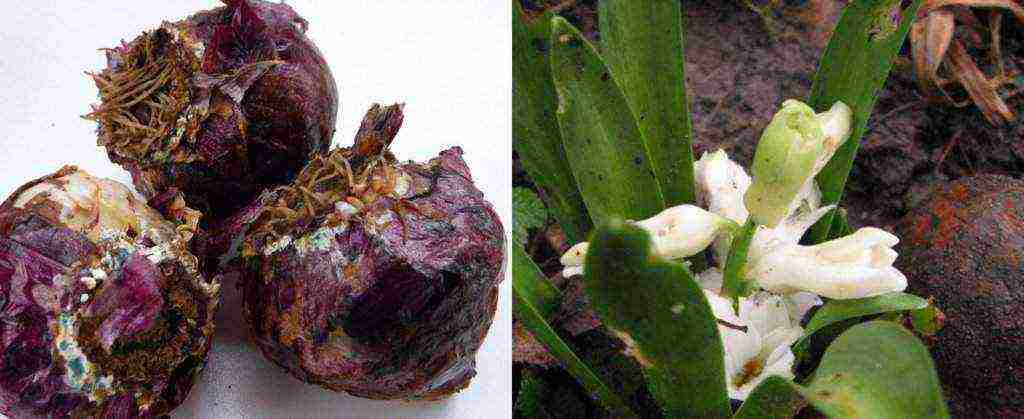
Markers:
point(795, 146)
point(757, 341)
point(678, 232)
point(836, 124)
point(797, 303)
point(721, 184)
point(855, 266)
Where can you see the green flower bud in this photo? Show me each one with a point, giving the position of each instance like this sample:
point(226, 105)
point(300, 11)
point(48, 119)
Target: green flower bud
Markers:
point(793, 148)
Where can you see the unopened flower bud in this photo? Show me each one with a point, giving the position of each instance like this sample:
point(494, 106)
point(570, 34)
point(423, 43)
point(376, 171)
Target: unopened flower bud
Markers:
point(795, 146)
point(678, 232)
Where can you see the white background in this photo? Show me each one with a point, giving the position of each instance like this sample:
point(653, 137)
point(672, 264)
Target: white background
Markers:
point(449, 60)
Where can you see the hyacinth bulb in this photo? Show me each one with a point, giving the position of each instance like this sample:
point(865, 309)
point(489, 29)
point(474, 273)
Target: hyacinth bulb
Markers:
point(964, 246)
point(219, 106)
point(371, 276)
point(104, 313)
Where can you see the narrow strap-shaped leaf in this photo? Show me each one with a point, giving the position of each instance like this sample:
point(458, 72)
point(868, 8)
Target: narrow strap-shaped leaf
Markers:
point(530, 283)
point(538, 141)
point(527, 288)
point(662, 316)
point(838, 310)
point(878, 370)
point(840, 224)
point(606, 151)
point(642, 43)
point(774, 398)
point(734, 285)
point(853, 69)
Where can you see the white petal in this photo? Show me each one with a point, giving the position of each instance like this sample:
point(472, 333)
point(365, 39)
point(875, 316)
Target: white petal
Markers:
point(741, 346)
point(721, 183)
point(777, 343)
point(710, 280)
point(883, 256)
point(860, 248)
point(741, 393)
point(676, 233)
point(570, 271)
point(575, 255)
point(783, 365)
point(682, 231)
point(765, 312)
point(855, 266)
point(836, 124)
point(778, 362)
point(733, 364)
point(799, 303)
point(793, 228)
point(794, 268)
point(721, 307)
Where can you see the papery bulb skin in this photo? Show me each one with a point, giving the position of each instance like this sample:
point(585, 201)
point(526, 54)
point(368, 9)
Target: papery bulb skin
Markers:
point(104, 313)
point(374, 277)
point(219, 106)
point(965, 246)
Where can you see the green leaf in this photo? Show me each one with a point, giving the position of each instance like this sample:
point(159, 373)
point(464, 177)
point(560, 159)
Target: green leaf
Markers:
point(664, 319)
point(642, 43)
point(774, 398)
point(531, 303)
point(853, 69)
point(538, 141)
point(606, 151)
point(734, 285)
point(835, 311)
point(528, 212)
point(876, 369)
point(532, 283)
point(840, 225)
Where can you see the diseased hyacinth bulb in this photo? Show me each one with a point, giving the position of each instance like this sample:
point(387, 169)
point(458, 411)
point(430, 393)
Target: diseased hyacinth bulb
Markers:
point(371, 276)
point(104, 312)
point(219, 106)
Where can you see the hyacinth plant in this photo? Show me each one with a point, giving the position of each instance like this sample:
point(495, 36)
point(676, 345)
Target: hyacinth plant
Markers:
point(604, 132)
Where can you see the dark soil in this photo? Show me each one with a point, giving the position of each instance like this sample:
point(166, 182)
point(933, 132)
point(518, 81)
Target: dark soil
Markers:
point(738, 73)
